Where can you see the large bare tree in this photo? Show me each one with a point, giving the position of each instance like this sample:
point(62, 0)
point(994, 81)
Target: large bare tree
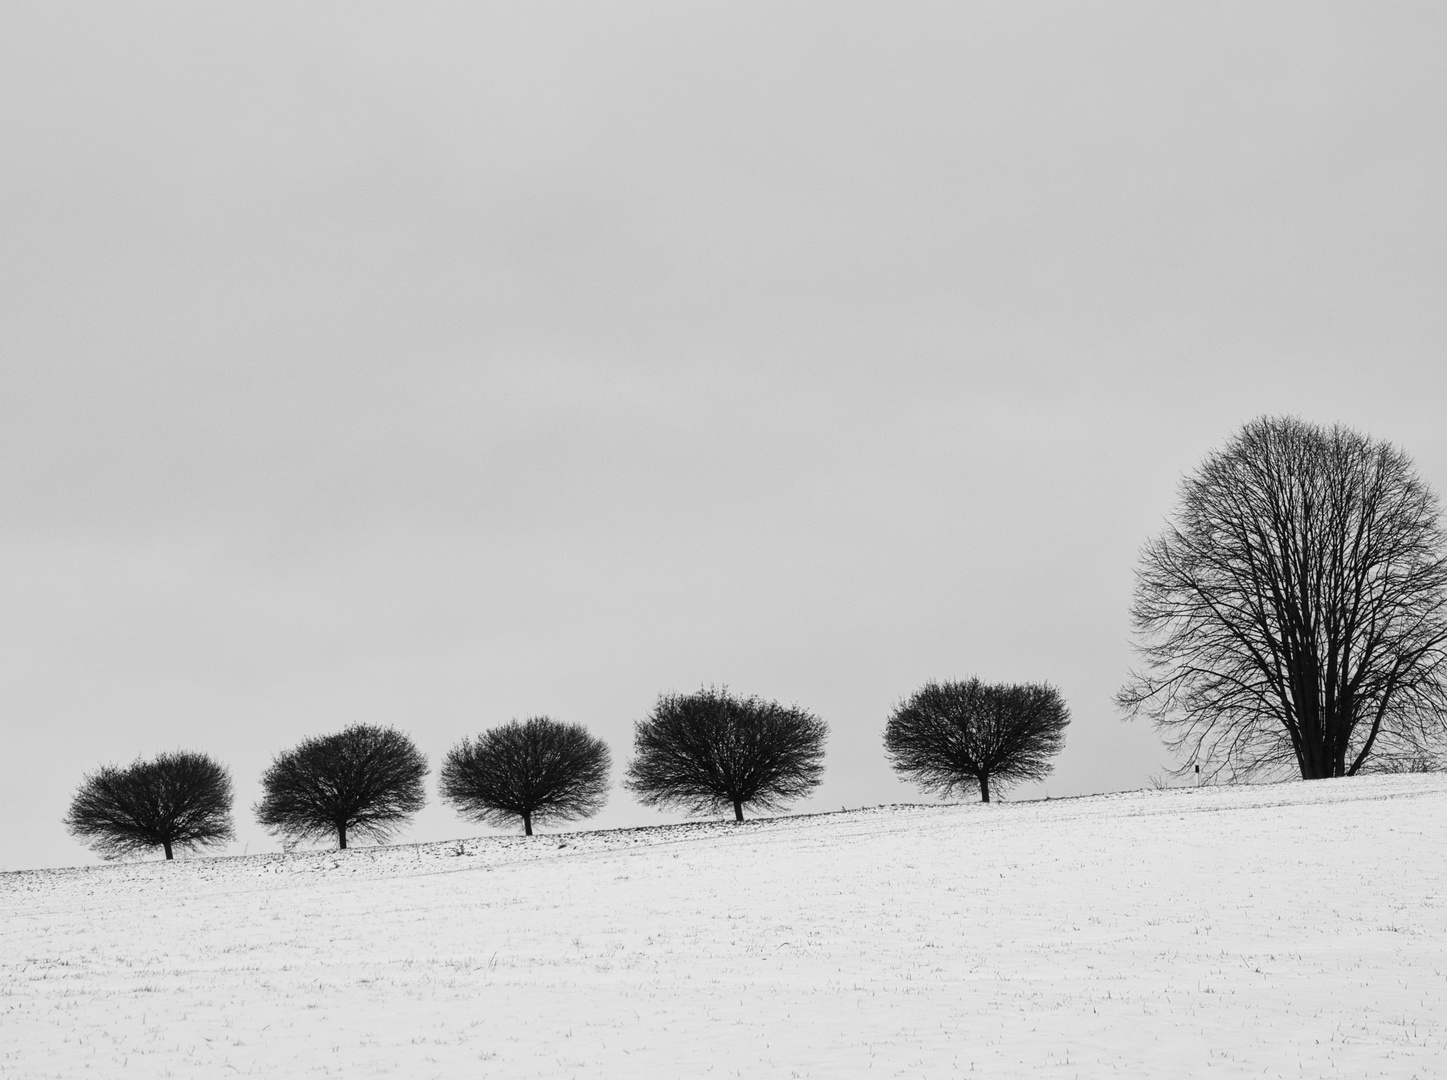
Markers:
point(1294, 614)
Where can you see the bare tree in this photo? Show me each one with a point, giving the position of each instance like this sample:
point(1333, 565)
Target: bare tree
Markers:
point(953, 735)
point(538, 770)
point(710, 750)
point(365, 779)
point(1294, 615)
point(178, 800)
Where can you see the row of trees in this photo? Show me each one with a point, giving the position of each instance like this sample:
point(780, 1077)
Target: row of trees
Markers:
point(1293, 615)
point(707, 751)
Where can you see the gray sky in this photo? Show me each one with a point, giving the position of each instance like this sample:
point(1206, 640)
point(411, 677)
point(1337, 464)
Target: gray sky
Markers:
point(434, 368)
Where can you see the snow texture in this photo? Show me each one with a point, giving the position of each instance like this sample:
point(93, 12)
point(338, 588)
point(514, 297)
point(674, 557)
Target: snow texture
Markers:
point(1289, 930)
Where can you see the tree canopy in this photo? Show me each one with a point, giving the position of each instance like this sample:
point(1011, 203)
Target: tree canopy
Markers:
point(176, 800)
point(536, 770)
point(710, 750)
point(947, 736)
point(365, 780)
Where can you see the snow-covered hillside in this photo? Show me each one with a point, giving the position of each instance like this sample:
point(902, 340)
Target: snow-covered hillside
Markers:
point(1292, 930)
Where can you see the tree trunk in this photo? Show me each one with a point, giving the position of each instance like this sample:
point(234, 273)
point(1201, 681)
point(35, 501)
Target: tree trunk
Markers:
point(167, 845)
point(984, 787)
point(1316, 760)
point(527, 823)
point(342, 837)
point(738, 810)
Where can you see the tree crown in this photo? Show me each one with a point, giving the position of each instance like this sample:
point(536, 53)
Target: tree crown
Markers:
point(949, 735)
point(710, 749)
point(365, 779)
point(176, 800)
point(539, 769)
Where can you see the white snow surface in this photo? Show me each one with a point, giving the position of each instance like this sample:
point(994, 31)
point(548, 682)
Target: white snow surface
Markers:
point(1287, 930)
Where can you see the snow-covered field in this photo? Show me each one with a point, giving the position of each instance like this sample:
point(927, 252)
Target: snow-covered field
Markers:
point(1291, 930)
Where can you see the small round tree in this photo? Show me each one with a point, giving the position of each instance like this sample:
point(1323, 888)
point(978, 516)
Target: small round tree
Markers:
point(365, 780)
point(538, 770)
point(177, 800)
point(952, 735)
point(710, 750)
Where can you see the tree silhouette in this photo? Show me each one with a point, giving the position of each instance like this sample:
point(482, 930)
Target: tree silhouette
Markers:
point(710, 750)
point(178, 800)
point(538, 770)
point(365, 780)
point(953, 735)
point(1294, 615)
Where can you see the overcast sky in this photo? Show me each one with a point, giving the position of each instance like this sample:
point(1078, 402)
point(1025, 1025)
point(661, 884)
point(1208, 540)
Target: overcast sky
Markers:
point(434, 366)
